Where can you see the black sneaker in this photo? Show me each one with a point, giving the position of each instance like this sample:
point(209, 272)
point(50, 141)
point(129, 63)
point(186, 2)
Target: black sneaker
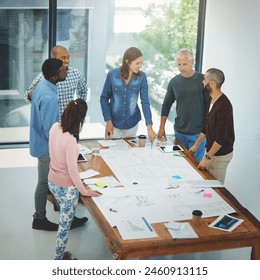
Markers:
point(44, 224)
point(68, 256)
point(78, 222)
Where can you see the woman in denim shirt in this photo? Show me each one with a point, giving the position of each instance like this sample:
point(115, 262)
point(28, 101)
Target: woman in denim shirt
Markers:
point(120, 95)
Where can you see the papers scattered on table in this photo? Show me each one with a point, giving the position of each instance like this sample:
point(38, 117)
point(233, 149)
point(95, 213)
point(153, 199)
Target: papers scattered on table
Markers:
point(107, 181)
point(135, 228)
point(226, 223)
point(84, 150)
point(87, 174)
point(180, 230)
point(107, 143)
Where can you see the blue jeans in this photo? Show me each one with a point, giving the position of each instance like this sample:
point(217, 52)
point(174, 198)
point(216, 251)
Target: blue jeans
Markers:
point(41, 191)
point(67, 199)
point(189, 140)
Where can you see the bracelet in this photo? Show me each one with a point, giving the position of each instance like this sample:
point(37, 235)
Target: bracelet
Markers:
point(207, 157)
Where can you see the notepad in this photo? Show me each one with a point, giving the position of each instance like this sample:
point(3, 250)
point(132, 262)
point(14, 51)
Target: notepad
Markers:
point(107, 143)
point(101, 184)
point(185, 230)
point(108, 181)
point(87, 174)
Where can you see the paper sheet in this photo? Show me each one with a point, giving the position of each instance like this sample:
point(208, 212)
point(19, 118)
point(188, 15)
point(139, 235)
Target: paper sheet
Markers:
point(87, 174)
point(107, 143)
point(135, 227)
point(184, 231)
point(84, 150)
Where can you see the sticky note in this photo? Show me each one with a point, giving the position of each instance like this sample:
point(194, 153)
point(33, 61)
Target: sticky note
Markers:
point(177, 177)
point(207, 194)
point(101, 184)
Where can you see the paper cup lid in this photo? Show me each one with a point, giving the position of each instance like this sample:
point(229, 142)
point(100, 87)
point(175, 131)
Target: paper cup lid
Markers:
point(196, 213)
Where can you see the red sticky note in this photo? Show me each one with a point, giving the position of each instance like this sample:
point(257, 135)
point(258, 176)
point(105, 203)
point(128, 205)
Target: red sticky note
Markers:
point(207, 194)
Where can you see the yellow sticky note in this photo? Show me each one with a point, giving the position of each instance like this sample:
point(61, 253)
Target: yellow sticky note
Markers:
point(101, 184)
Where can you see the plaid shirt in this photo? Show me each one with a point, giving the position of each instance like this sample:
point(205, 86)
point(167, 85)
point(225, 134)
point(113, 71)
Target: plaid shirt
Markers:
point(74, 86)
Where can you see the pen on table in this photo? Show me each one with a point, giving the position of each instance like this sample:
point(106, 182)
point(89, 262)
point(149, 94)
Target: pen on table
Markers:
point(173, 187)
point(179, 155)
point(147, 224)
point(198, 192)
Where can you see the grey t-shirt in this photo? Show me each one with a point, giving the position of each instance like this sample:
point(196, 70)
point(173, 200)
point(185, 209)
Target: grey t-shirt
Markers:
point(191, 99)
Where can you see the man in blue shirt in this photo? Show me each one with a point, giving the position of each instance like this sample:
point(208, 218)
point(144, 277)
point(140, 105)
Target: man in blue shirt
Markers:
point(74, 86)
point(44, 113)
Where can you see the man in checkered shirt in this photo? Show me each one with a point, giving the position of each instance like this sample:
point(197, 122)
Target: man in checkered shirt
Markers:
point(75, 85)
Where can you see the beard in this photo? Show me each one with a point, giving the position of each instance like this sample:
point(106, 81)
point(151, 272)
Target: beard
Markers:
point(208, 88)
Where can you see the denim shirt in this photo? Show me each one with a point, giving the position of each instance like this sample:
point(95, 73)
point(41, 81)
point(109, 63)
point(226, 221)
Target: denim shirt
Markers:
point(119, 102)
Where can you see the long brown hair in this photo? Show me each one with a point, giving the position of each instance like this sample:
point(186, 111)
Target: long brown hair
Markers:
point(130, 55)
point(73, 116)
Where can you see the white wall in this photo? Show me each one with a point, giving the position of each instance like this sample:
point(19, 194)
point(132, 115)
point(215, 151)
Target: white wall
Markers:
point(232, 40)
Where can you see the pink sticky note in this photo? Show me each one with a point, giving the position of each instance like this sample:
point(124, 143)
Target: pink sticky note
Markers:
point(207, 194)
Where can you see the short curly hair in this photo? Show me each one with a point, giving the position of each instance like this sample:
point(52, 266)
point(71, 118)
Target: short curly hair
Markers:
point(51, 67)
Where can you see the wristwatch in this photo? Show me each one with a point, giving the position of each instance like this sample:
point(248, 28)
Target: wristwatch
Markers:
point(207, 157)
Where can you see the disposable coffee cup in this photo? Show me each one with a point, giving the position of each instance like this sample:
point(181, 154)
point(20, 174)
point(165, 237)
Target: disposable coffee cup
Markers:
point(196, 217)
point(141, 140)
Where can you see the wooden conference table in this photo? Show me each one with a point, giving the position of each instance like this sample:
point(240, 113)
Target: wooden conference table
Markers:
point(245, 235)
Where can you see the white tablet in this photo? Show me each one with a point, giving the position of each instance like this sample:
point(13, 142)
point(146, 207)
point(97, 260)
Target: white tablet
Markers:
point(226, 223)
point(81, 158)
point(170, 148)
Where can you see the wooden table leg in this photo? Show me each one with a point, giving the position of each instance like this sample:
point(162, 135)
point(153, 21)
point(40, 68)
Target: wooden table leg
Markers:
point(119, 256)
point(255, 253)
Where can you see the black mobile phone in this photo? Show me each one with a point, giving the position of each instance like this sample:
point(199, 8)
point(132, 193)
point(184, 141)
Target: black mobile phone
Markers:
point(177, 148)
point(170, 148)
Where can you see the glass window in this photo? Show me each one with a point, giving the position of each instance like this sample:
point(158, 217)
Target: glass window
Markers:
point(96, 34)
point(159, 29)
point(20, 60)
point(24, 42)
